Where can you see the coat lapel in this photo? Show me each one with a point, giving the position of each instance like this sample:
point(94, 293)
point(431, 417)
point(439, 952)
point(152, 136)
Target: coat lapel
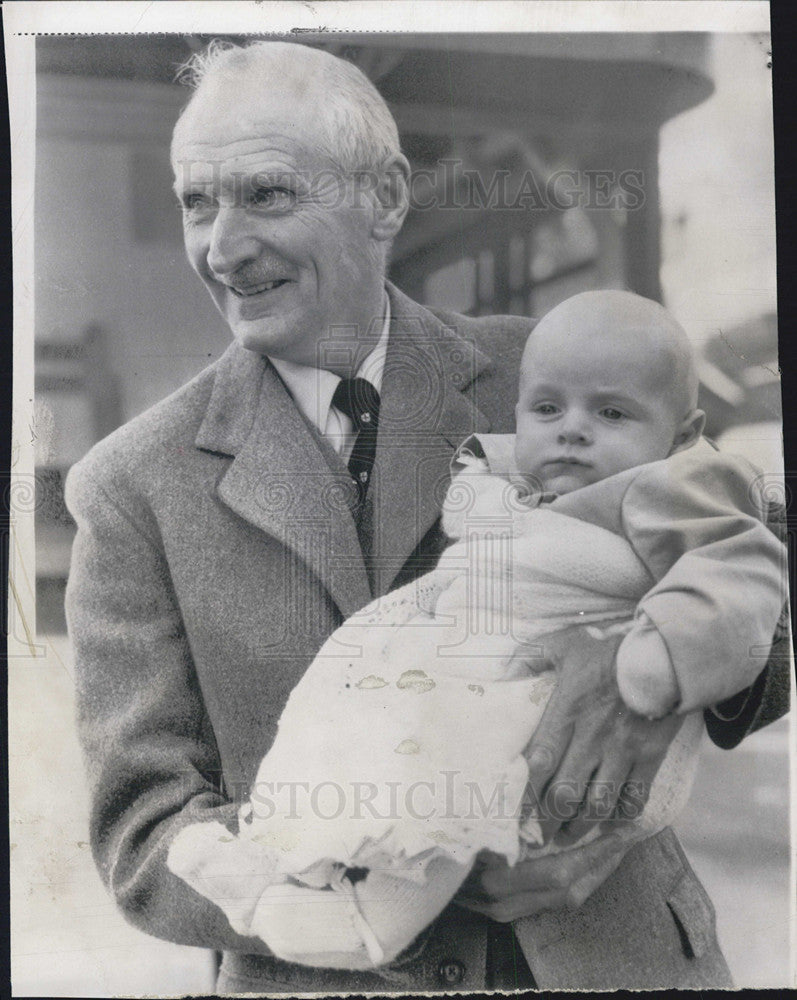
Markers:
point(280, 480)
point(424, 416)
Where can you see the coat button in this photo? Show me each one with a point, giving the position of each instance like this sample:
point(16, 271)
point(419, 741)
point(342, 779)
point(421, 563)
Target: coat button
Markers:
point(451, 971)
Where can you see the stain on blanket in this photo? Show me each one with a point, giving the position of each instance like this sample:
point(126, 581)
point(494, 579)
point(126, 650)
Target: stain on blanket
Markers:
point(542, 691)
point(371, 682)
point(415, 680)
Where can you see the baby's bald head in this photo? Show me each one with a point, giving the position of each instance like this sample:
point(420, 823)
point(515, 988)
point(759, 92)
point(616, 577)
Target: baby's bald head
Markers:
point(607, 382)
point(644, 338)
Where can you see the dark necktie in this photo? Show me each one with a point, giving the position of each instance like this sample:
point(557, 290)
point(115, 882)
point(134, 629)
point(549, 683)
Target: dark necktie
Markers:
point(359, 400)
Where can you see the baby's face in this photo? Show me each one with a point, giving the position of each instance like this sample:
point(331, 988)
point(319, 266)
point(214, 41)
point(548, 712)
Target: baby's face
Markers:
point(589, 408)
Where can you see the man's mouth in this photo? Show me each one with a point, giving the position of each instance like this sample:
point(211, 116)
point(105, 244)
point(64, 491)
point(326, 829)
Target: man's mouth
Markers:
point(247, 291)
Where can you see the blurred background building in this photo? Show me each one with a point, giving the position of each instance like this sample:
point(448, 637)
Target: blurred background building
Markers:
point(545, 165)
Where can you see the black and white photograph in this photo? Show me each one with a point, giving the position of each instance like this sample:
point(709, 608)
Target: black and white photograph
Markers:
point(398, 569)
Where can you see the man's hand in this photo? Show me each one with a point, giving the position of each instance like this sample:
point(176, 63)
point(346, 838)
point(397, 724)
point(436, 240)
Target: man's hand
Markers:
point(591, 759)
point(549, 882)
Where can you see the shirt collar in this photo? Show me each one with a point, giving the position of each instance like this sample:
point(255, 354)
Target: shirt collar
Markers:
point(312, 388)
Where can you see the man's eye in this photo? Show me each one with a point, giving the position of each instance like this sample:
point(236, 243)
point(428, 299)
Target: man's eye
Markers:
point(271, 197)
point(194, 201)
point(613, 414)
point(546, 409)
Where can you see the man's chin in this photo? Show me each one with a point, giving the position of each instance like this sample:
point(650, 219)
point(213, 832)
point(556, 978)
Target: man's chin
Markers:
point(254, 344)
point(260, 338)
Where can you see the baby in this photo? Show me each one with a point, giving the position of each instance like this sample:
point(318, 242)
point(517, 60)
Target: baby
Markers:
point(606, 510)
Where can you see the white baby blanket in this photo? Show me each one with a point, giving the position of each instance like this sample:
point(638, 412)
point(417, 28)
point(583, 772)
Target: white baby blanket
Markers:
point(399, 754)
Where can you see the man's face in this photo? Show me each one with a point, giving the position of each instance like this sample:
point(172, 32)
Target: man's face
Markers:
point(589, 408)
point(279, 237)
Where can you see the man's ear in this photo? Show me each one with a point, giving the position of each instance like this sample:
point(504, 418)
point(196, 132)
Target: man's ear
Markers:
point(689, 431)
point(391, 197)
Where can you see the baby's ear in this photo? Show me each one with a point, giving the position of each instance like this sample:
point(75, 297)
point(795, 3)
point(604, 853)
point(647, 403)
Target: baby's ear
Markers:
point(689, 430)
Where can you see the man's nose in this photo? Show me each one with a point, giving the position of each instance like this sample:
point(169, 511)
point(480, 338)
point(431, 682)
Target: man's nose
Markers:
point(232, 243)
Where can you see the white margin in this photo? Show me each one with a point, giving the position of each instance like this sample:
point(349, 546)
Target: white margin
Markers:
point(274, 16)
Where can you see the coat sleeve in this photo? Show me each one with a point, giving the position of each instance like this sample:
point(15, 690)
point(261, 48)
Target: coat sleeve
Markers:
point(150, 751)
point(696, 523)
point(769, 697)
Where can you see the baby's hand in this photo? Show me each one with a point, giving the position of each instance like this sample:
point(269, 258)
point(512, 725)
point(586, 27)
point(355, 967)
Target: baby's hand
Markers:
point(645, 675)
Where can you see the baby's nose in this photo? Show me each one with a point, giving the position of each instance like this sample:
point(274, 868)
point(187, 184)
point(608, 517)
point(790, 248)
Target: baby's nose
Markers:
point(575, 431)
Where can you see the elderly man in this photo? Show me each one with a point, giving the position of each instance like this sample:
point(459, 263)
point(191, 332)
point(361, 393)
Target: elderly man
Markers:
point(226, 532)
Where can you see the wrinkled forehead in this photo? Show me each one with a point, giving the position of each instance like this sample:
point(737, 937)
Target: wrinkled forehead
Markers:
point(239, 108)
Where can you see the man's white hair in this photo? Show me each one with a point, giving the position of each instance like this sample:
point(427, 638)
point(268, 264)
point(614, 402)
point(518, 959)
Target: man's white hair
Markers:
point(361, 132)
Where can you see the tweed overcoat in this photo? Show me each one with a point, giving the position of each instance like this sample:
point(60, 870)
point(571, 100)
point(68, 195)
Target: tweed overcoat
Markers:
point(216, 550)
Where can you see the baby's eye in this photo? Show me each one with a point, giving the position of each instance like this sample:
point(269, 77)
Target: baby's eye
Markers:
point(611, 413)
point(546, 409)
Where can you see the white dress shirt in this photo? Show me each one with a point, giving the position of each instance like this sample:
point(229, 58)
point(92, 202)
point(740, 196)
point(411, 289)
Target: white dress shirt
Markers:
point(312, 390)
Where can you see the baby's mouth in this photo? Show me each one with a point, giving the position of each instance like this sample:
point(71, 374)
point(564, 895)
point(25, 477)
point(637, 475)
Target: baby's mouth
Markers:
point(568, 460)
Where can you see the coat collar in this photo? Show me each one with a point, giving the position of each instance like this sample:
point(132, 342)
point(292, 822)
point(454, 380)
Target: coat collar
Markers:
point(282, 481)
point(234, 401)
